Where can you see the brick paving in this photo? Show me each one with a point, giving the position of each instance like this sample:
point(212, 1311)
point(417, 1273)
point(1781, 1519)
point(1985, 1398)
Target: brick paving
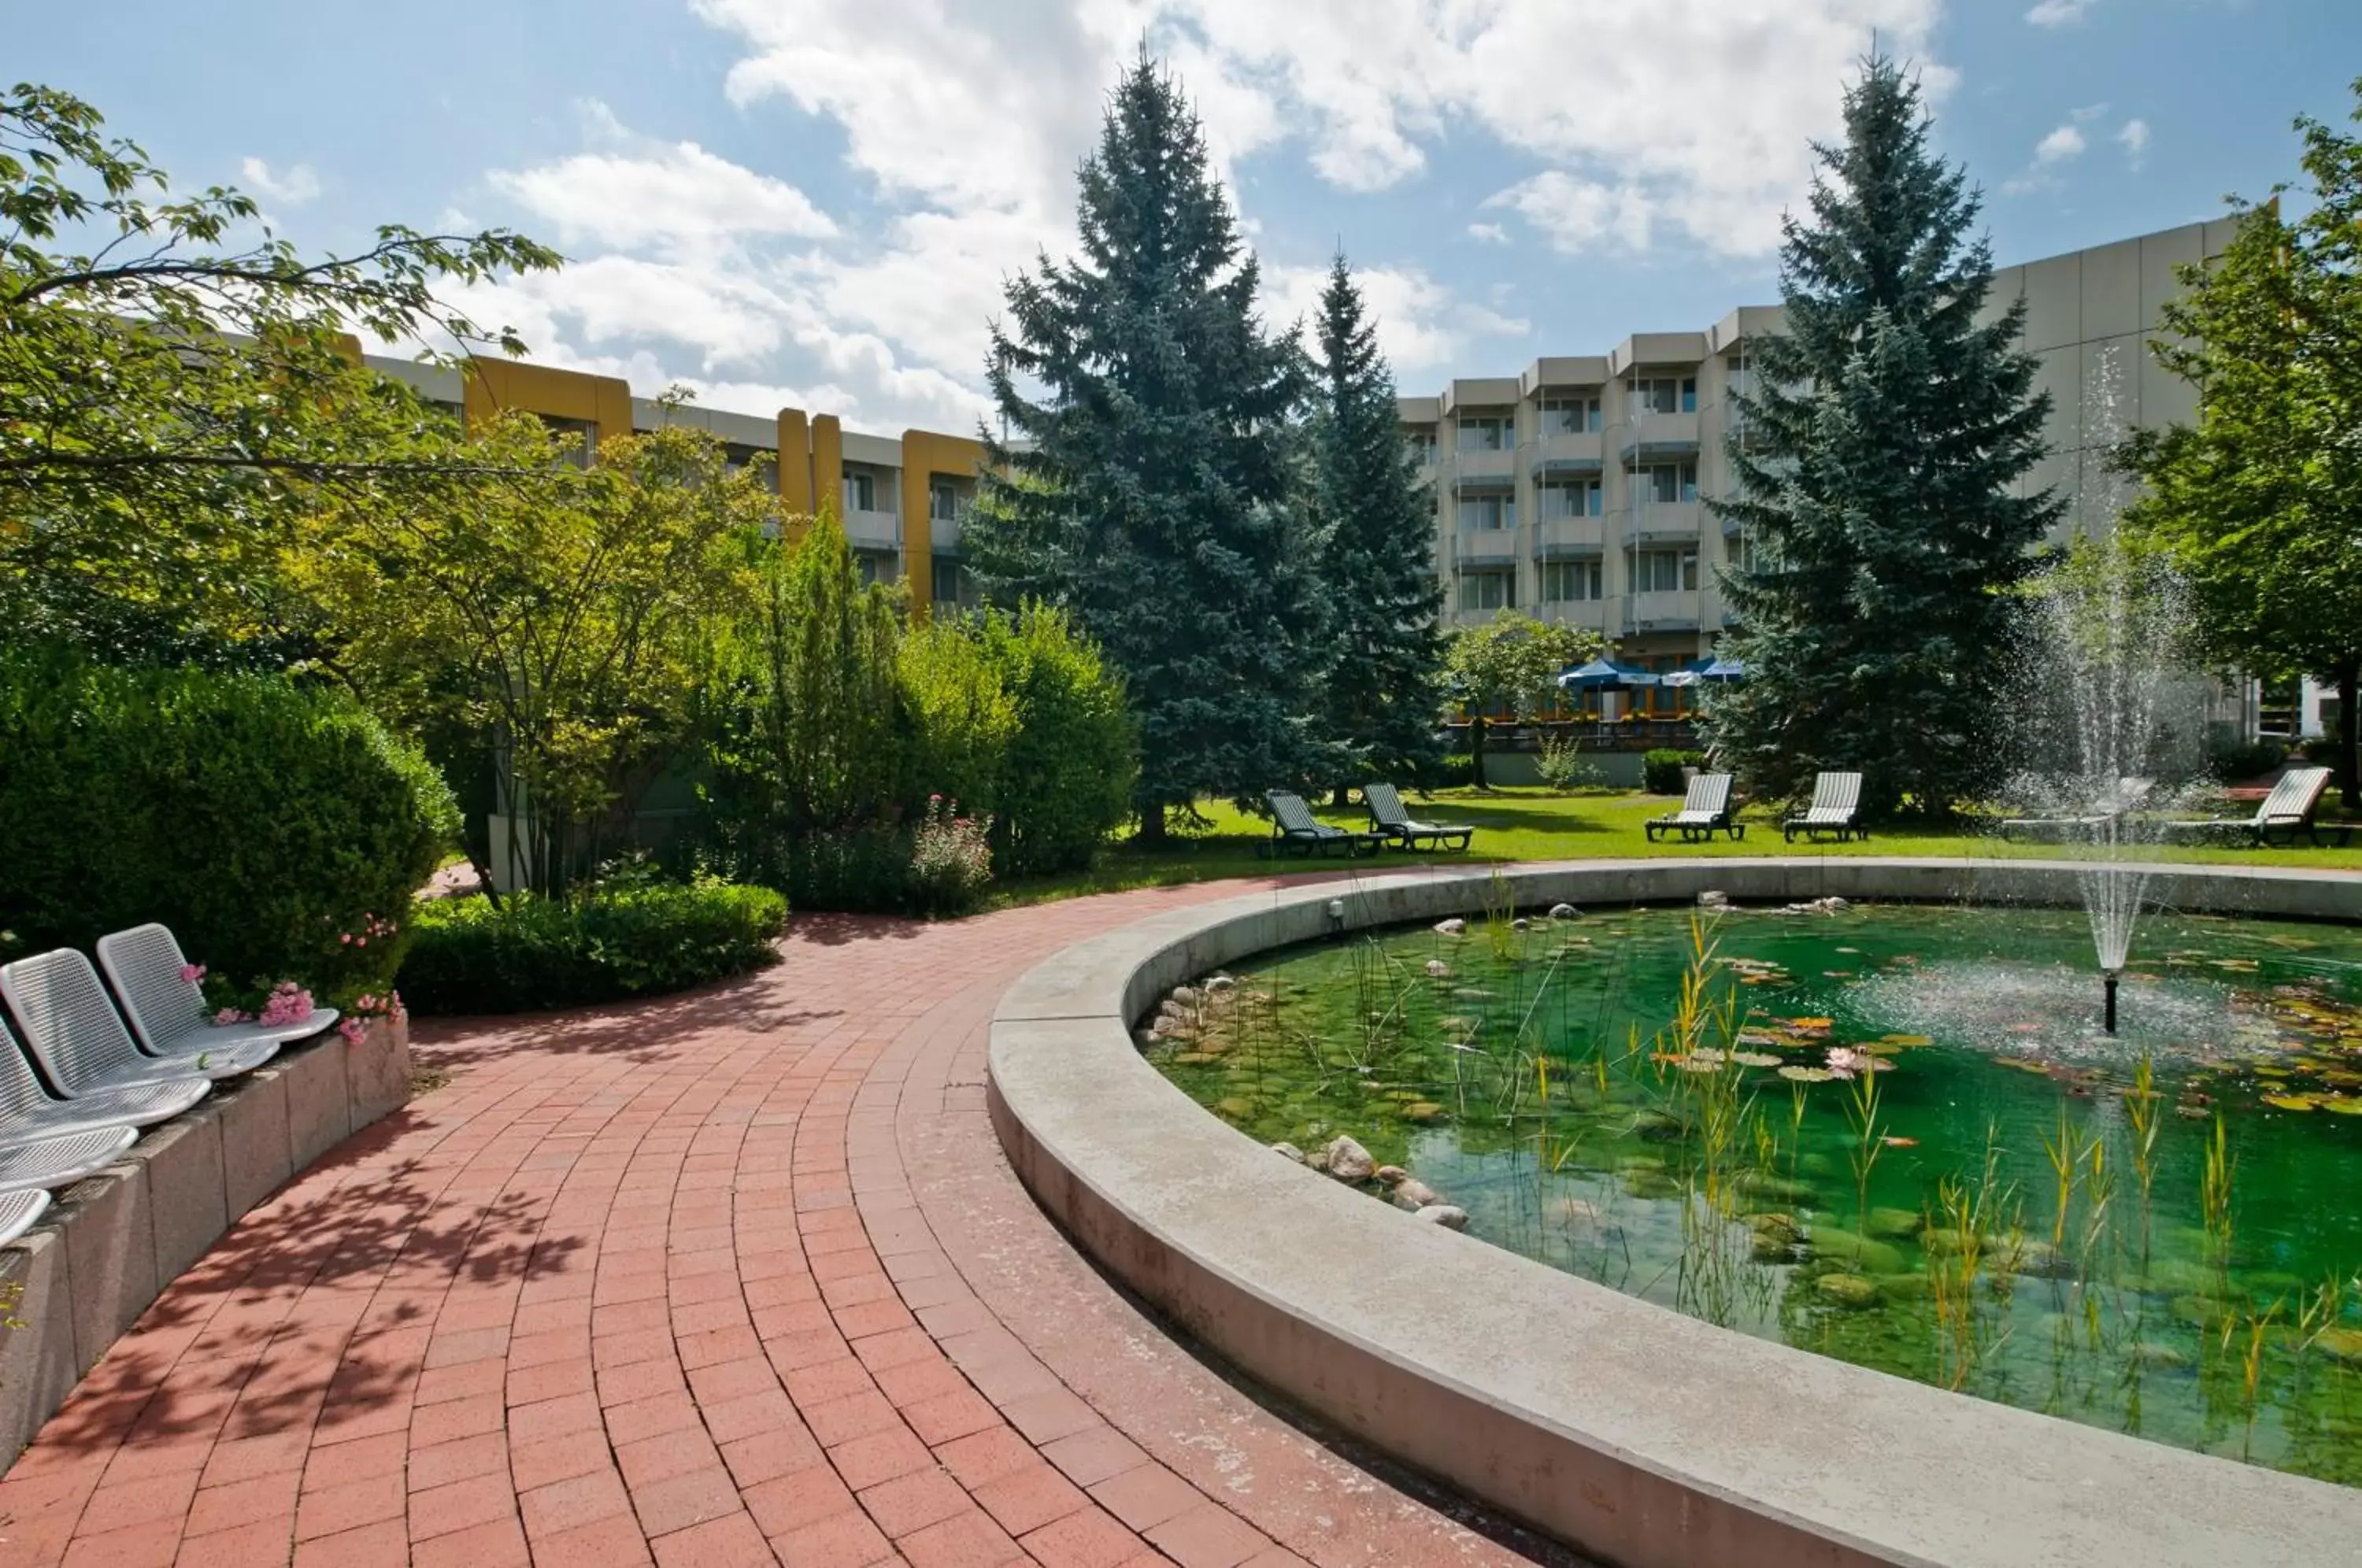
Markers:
point(736, 1277)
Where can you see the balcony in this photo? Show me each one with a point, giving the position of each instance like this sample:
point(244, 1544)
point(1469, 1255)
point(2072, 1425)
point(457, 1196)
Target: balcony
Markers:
point(1567, 456)
point(1478, 469)
point(1484, 546)
point(943, 533)
point(1665, 522)
point(1593, 614)
point(1566, 539)
point(1662, 612)
point(873, 530)
point(1651, 437)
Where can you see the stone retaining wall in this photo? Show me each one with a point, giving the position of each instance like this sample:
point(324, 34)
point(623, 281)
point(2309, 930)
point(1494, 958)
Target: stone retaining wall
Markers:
point(1647, 1438)
point(113, 1241)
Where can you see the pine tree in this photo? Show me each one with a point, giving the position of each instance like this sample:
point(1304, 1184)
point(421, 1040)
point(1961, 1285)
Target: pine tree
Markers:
point(1150, 488)
point(1383, 694)
point(1876, 461)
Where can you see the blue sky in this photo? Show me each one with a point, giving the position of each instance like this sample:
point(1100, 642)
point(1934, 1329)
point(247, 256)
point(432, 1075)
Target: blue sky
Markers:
point(816, 201)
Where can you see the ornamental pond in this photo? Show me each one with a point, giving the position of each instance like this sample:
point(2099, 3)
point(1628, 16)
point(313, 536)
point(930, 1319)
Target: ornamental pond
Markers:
point(1892, 1134)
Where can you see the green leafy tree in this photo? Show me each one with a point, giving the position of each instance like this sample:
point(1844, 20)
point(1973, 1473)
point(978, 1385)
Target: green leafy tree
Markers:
point(179, 388)
point(564, 618)
point(1511, 662)
point(1146, 485)
point(1376, 518)
point(1880, 448)
point(2259, 503)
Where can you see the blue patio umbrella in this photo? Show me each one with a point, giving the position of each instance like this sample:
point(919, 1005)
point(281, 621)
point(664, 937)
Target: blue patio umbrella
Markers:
point(1724, 669)
point(1603, 675)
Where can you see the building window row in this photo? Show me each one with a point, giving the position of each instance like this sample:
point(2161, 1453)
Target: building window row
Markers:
point(1664, 571)
point(1664, 395)
point(1570, 498)
point(1565, 415)
point(1573, 582)
point(1667, 484)
point(1483, 514)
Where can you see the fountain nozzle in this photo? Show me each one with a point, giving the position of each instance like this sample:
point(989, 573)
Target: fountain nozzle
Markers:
point(2108, 990)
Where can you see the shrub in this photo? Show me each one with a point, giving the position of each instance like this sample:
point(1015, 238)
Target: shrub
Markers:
point(469, 956)
point(1457, 771)
point(961, 718)
point(1660, 770)
point(1067, 771)
point(950, 858)
point(2237, 764)
point(1562, 764)
point(260, 820)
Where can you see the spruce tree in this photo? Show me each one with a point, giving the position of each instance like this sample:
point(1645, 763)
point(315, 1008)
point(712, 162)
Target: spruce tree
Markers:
point(1144, 480)
point(1876, 459)
point(1375, 515)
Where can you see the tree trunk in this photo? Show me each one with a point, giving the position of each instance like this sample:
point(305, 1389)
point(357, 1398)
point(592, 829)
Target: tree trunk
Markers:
point(1476, 750)
point(2349, 731)
point(1152, 825)
point(1337, 797)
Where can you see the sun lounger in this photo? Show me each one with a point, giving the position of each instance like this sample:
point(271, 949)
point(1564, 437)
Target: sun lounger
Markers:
point(1704, 812)
point(61, 1158)
point(1836, 809)
point(2114, 803)
point(1390, 820)
point(18, 1213)
point(167, 1014)
point(1296, 829)
point(2287, 811)
point(78, 1038)
point(28, 1111)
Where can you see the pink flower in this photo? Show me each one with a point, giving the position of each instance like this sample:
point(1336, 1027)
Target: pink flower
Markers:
point(345, 937)
point(352, 1029)
point(228, 1016)
point(192, 973)
point(290, 1003)
point(1845, 1061)
point(360, 941)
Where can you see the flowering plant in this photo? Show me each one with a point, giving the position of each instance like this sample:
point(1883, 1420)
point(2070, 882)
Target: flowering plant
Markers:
point(367, 1007)
point(951, 857)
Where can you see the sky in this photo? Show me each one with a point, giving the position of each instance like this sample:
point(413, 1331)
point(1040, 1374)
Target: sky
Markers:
point(819, 203)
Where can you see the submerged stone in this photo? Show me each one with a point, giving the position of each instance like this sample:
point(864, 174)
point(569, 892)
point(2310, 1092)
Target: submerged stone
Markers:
point(1776, 1189)
point(1895, 1224)
point(1845, 1246)
point(1851, 1291)
point(1422, 1110)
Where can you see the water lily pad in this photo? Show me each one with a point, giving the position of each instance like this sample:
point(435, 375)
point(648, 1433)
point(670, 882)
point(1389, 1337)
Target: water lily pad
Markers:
point(1698, 1063)
point(1754, 1059)
point(2343, 1104)
point(1806, 1074)
point(2289, 1101)
point(1906, 1040)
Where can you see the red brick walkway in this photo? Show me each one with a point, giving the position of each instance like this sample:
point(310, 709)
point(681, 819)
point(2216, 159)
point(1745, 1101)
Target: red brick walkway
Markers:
point(733, 1278)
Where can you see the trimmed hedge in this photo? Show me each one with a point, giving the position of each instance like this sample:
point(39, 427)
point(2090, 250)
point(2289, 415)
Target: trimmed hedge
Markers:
point(260, 820)
point(468, 957)
point(1660, 770)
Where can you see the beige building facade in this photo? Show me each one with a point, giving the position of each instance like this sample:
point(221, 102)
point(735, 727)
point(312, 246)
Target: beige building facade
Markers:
point(1575, 490)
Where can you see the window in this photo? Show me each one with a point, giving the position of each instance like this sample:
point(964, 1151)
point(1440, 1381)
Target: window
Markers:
point(1667, 484)
point(1482, 513)
point(1489, 591)
point(1664, 571)
point(951, 582)
point(578, 439)
point(945, 501)
point(860, 492)
point(1570, 498)
point(1571, 583)
point(1565, 415)
point(1664, 395)
point(1487, 432)
point(876, 567)
point(1422, 442)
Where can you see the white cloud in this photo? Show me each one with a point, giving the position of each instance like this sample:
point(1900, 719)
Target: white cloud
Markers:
point(650, 194)
point(1423, 326)
point(2059, 13)
point(2060, 146)
point(293, 188)
point(2132, 136)
point(962, 126)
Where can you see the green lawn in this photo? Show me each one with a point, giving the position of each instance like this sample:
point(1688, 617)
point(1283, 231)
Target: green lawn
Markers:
point(1534, 824)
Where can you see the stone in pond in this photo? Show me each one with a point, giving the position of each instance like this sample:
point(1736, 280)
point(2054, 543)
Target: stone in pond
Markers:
point(1774, 1188)
point(1221, 983)
point(1412, 1193)
point(1348, 1161)
point(1184, 995)
point(1389, 1174)
point(2201, 1313)
point(2041, 1260)
point(1235, 1107)
point(2164, 1356)
point(1644, 1183)
point(2343, 1346)
point(1851, 1291)
point(1290, 1150)
point(1902, 1287)
point(1656, 1127)
point(1521, 923)
point(1449, 1216)
point(1847, 1247)
point(1423, 1111)
point(1893, 1224)
point(1196, 1058)
point(1453, 927)
point(1565, 912)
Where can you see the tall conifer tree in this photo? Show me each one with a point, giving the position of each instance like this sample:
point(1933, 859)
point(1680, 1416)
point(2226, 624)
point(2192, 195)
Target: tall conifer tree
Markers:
point(1375, 515)
point(1144, 478)
point(1879, 447)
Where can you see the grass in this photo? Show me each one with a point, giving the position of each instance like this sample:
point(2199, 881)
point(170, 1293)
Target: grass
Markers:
point(1538, 824)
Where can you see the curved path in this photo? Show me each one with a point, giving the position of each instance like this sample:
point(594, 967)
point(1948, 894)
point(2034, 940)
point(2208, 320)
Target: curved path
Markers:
point(738, 1277)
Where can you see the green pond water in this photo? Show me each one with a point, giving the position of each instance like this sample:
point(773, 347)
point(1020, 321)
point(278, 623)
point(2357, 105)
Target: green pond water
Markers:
point(1996, 1206)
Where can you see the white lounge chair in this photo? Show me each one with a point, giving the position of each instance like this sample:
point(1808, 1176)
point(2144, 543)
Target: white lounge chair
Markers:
point(167, 1013)
point(1705, 810)
point(78, 1038)
point(18, 1213)
point(61, 1158)
point(28, 1111)
point(2288, 810)
point(1836, 809)
point(2112, 803)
